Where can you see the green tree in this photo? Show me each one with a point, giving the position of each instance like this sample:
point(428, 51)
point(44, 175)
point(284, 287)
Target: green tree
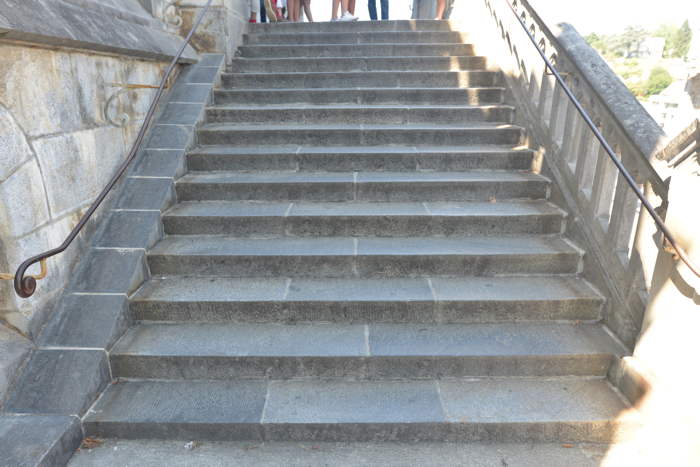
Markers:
point(595, 41)
point(629, 42)
point(668, 32)
point(681, 43)
point(659, 79)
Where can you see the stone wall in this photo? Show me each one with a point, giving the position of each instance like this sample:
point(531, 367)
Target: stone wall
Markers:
point(57, 151)
point(60, 141)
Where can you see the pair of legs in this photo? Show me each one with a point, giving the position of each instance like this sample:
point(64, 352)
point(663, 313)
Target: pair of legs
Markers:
point(347, 5)
point(294, 7)
point(440, 10)
point(372, 6)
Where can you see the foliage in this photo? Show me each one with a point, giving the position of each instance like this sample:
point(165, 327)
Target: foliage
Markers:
point(668, 32)
point(681, 43)
point(659, 79)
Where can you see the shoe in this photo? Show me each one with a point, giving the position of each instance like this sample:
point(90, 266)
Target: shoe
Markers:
point(270, 11)
point(252, 20)
point(348, 17)
point(333, 20)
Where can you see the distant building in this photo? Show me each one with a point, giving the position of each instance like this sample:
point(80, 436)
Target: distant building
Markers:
point(674, 108)
point(651, 48)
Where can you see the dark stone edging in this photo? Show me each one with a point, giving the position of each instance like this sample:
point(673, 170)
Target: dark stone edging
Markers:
point(70, 367)
point(61, 24)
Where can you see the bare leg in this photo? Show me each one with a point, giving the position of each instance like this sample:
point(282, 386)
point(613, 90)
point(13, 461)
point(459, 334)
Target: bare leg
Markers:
point(334, 11)
point(307, 10)
point(351, 6)
point(293, 10)
point(440, 10)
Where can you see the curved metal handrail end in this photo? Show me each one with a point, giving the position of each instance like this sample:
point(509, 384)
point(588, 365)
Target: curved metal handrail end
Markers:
point(26, 286)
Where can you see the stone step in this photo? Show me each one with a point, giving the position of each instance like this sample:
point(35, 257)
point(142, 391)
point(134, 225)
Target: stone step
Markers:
point(363, 79)
point(368, 96)
point(361, 186)
point(156, 453)
point(302, 219)
point(353, 113)
point(338, 64)
point(390, 300)
point(359, 26)
point(355, 37)
point(355, 50)
point(362, 257)
point(361, 351)
point(561, 410)
point(361, 134)
point(359, 158)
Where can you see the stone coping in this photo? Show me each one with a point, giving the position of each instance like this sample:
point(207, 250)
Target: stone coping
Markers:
point(641, 129)
point(99, 28)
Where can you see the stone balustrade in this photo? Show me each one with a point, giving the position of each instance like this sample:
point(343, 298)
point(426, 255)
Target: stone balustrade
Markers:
point(606, 216)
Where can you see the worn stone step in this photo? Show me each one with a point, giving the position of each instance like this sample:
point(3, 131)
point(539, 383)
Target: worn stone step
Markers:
point(561, 410)
point(359, 26)
point(363, 79)
point(392, 300)
point(359, 158)
point(244, 218)
point(368, 96)
point(338, 64)
point(355, 50)
point(355, 37)
point(354, 113)
point(361, 186)
point(361, 351)
point(156, 453)
point(362, 257)
point(361, 134)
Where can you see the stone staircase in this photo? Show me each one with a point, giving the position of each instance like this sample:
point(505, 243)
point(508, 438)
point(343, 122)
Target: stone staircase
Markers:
point(360, 252)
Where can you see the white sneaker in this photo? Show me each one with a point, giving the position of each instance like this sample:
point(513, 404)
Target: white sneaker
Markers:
point(348, 17)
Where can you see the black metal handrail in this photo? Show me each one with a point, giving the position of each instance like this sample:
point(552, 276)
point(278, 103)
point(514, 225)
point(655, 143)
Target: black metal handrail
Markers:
point(611, 152)
point(26, 286)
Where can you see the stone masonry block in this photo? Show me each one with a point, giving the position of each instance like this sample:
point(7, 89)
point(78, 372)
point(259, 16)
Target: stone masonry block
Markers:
point(24, 200)
point(13, 350)
point(38, 440)
point(111, 271)
point(131, 229)
point(147, 193)
point(76, 166)
point(59, 382)
point(87, 321)
point(14, 149)
point(160, 163)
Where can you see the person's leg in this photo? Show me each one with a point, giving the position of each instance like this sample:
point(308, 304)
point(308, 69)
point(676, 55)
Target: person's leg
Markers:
point(372, 7)
point(440, 10)
point(351, 7)
point(307, 10)
point(263, 15)
point(293, 10)
point(385, 9)
point(334, 10)
point(253, 11)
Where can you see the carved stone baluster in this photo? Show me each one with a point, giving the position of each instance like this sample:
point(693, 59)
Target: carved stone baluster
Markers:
point(604, 184)
point(587, 162)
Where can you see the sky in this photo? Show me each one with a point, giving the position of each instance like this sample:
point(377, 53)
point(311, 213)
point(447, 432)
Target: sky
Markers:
point(600, 16)
point(611, 16)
